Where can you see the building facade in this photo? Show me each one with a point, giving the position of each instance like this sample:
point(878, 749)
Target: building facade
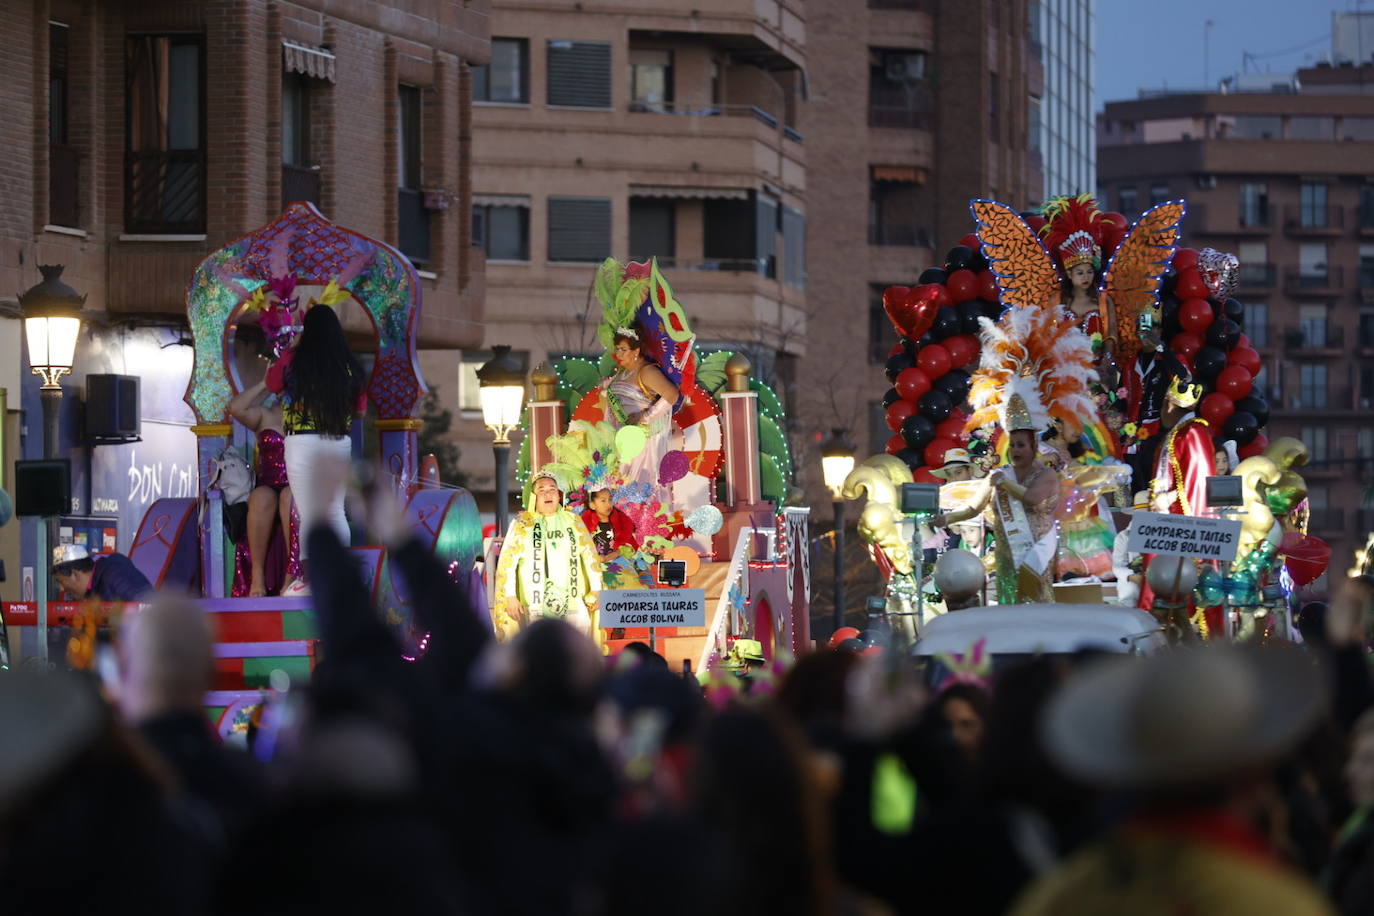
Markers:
point(1281, 180)
point(143, 135)
point(1061, 126)
point(659, 129)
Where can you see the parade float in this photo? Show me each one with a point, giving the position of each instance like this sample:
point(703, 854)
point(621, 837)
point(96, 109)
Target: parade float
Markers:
point(1127, 356)
point(717, 499)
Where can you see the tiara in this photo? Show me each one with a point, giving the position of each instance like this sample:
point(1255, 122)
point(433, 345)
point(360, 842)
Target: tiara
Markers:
point(627, 332)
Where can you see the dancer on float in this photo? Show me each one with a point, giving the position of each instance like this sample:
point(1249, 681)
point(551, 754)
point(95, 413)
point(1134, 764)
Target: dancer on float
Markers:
point(270, 500)
point(322, 387)
point(639, 394)
point(548, 565)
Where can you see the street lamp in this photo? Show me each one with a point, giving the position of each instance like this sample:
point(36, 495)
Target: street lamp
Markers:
point(52, 321)
point(501, 386)
point(837, 460)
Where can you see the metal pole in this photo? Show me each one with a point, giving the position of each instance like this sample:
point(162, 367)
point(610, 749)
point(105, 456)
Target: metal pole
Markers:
point(501, 449)
point(51, 399)
point(839, 563)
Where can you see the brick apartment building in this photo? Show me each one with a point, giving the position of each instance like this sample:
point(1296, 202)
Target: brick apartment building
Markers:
point(1281, 178)
point(915, 107)
point(658, 128)
point(143, 134)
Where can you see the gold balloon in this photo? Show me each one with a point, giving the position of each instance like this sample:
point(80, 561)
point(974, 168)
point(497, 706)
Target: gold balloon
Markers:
point(1286, 452)
point(1256, 475)
point(878, 478)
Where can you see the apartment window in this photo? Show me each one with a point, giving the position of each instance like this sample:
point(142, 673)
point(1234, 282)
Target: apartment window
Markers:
point(1315, 438)
point(1033, 125)
point(164, 164)
point(1128, 202)
point(1257, 127)
point(1366, 328)
point(994, 109)
point(300, 179)
point(767, 222)
point(412, 217)
point(1159, 193)
point(64, 164)
point(739, 234)
point(651, 79)
point(1256, 323)
point(1261, 385)
point(1364, 443)
point(881, 334)
point(894, 209)
point(1312, 324)
point(653, 229)
point(794, 247)
point(579, 229)
point(1312, 206)
point(1254, 204)
point(1367, 206)
point(1312, 386)
point(1312, 128)
point(897, 92)
point(469, 389)
point(506, 78)
point(1367, 267)
point(1366, 390)
point(1254, 264)
point(501, 226)
point(878, 433)
point(1312, 264)
point(579, 74)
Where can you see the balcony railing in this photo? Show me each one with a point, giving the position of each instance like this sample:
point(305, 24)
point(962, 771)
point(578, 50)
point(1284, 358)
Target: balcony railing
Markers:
point(1309, 280)
point(64, 185)
point(164, 192)
point(1314, 336)
point(898, 234)
point(1299, 219)
point(1365, 336)
point(413, 225)
point(765, 267)
point(300, 182)
point(1256, 276)
point(902, 116)
point(1253, 217)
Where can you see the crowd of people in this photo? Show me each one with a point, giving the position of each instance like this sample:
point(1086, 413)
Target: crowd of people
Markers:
point(537, 776)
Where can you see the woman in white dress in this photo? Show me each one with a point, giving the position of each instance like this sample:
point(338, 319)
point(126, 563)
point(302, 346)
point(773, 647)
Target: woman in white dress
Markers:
point(640, 395)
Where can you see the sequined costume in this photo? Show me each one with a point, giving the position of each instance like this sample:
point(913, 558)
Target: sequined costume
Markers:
point(633, 402)
point(282, 562)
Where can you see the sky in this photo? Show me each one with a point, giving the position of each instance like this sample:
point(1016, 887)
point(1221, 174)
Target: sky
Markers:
point(1166, 39)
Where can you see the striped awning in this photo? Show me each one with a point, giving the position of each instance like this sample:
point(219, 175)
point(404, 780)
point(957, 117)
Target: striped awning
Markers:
point(500, 200)
point(298, 57)
point(683, 193)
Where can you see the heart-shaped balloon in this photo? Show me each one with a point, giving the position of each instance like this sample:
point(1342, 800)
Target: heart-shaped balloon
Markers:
point(912, 311)
point(1305, 557)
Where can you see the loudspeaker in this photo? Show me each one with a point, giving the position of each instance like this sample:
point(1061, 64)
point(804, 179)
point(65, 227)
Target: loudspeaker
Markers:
point(112, 407)
point(43, 488)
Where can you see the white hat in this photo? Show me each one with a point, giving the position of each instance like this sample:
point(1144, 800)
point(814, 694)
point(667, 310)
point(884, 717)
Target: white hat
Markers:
point(953, 458)
point(1183, 717)
point(68, 553)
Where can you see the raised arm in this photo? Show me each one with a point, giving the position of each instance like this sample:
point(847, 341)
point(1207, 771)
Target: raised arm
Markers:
point(246, 407)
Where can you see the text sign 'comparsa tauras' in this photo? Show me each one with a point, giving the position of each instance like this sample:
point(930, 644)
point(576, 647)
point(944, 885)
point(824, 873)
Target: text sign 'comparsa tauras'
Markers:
point(653, 607)
point(1184, 536)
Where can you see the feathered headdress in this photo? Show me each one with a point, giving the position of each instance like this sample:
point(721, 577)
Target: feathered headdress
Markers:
point(1036, 366)
point(586, 457)
point(1073, 231)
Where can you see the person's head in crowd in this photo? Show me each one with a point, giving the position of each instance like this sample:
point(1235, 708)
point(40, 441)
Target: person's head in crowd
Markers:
point(964, 708)
point(1350, 612)
point(166, 662)
point(553, 669)
point(1312, 623)
point(639, 653)
point(73, 568)
point(815, 691)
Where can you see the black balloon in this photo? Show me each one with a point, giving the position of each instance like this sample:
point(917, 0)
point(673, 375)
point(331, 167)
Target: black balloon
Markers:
point(926, 340)
point(947, 323)
point(958, 258)
point(912, 457)
point(1208, 362)
point(1241, 426)
point(933, 275)
point(890, 398)
point(955, 383)
point(935, 405)
point(1234, 310)
point(1168, 315)
point(917, 431)
point(969, 313)
point(979, 262)
point(1169, 281)
point(1256, 406)
point(992, 310)
point(908, 345)
point(1223, 334)
point(897, 363)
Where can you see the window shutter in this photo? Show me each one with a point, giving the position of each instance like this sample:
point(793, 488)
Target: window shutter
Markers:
point(794, 247)
point(579, 228)
point(580, 74)
point(766, 235)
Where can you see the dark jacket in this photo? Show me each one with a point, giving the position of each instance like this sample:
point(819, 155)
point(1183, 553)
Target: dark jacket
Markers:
point(116, 578)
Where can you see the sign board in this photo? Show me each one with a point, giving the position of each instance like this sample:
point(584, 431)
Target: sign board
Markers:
point(1184, 536)
point(653, 607)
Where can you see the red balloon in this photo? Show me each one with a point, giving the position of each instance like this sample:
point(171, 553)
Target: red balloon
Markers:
point(1184, 343)
point(896, 348)
point(1184, 259)
point(895, 444)
point(963, 349)
point(942, 296)
point(1195, 315)
point(913, 311)
point(1244, 356)
point(933, 360)
point(1244, 341)
point(1256, 447)
point(923, 475)
point(935, 451)
point(962, 285)
point(1305, 556)
point(912, 383)
point(953, 428)
point(1215, 408)
point(1190, 285)
point(898, 411)
point(1235, 382)
point(1116, 219)
point(970, 242)
point(987, 286)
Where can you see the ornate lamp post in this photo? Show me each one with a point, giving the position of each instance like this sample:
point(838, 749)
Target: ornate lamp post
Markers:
point(52, 321)
point(501, 382)
point(837, 460)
